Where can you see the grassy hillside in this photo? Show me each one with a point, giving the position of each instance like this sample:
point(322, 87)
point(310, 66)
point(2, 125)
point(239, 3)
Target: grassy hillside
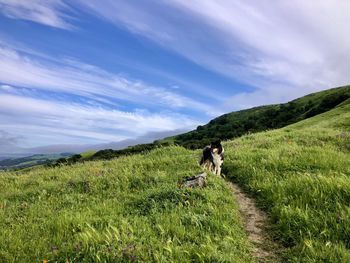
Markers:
point(232, 125)
point(87, 154)
point(125, 210)
point(263, 118)
point(301, 175)
point(131, 208)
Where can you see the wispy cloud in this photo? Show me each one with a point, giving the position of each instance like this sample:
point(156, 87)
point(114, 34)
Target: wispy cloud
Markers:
point(50, 12)
point(74, 77)
point(282, 49)
point(47, 121)
point(63, 100)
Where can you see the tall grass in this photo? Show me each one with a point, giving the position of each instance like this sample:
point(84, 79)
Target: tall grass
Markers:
point(301, 176)
point(126, 210)
point(131, 209)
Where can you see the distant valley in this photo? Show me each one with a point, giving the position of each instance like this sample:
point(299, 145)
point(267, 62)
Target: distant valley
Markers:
point(28, 161)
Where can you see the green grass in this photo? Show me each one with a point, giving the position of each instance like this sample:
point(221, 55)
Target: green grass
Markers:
point(235, 124)
point(131, 208)
point(87, 154)
point(122, 210)
point(301, 175)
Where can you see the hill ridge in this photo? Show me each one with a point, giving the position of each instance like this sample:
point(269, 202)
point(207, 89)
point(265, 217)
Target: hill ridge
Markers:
point(266, 117)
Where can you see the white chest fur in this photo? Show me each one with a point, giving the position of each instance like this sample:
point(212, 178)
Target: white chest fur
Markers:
point(217, 160)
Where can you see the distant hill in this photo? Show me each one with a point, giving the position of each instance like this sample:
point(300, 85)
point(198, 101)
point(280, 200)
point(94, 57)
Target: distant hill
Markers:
point(235, 124)
point(107, 154)
point(228, 126)
point(33, 160)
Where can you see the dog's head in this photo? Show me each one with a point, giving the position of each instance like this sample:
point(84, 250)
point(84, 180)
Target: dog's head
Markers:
point(216, 146)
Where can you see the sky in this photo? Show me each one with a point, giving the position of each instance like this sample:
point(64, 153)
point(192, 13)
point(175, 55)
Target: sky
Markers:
point(85, 73)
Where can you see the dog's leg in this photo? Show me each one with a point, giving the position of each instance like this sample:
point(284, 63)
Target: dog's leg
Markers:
point(210, 166)
point(218, 171)
point(220, 165)
point(206, 165)
point(214, 169)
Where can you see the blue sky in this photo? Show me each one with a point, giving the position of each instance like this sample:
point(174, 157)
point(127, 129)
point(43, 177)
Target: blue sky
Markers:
point(84, 72)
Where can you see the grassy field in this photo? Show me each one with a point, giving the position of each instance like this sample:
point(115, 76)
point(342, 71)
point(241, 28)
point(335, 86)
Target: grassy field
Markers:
point(131, 208)
point(301, 175)
point(125, 210)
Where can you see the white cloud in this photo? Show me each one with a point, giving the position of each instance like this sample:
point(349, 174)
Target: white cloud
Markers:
point(74, 77)
point(26, 73)
point(297, 47)
point(47, 122)
point(47, 12)
point(284, 49)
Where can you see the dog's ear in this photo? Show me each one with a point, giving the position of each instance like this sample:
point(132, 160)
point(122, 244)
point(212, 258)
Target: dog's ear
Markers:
point(216, 143)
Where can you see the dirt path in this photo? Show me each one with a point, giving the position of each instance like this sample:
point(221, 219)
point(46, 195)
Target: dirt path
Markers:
point(255, 222)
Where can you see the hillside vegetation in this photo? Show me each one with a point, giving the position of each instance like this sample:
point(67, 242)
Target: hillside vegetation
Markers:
point(301, 175)
point(33, 160)
point(132, 209)
point(125, 210)
point(263, 118)
point(233, 125)
point(227, 126)
point(107, 154)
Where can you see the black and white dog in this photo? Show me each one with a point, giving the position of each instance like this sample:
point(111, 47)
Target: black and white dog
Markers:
point(213, 157)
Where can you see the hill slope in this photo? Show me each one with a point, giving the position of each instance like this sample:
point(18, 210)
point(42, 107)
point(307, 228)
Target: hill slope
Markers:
point(263, 118)
point(125, 210)
point(131, 208)
point(301, 175)
point(234, 124)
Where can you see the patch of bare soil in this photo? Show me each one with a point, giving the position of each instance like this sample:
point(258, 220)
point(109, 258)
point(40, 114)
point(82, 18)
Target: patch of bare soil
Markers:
point(255, 222)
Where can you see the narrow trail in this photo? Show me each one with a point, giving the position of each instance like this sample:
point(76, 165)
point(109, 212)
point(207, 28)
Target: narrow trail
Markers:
point(255, 222)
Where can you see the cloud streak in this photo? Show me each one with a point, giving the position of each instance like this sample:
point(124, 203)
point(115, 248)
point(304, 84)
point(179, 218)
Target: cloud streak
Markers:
point(63, 100)
point(283, 49)
point(74, 77)
point(51, 121)
point(50, 12)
